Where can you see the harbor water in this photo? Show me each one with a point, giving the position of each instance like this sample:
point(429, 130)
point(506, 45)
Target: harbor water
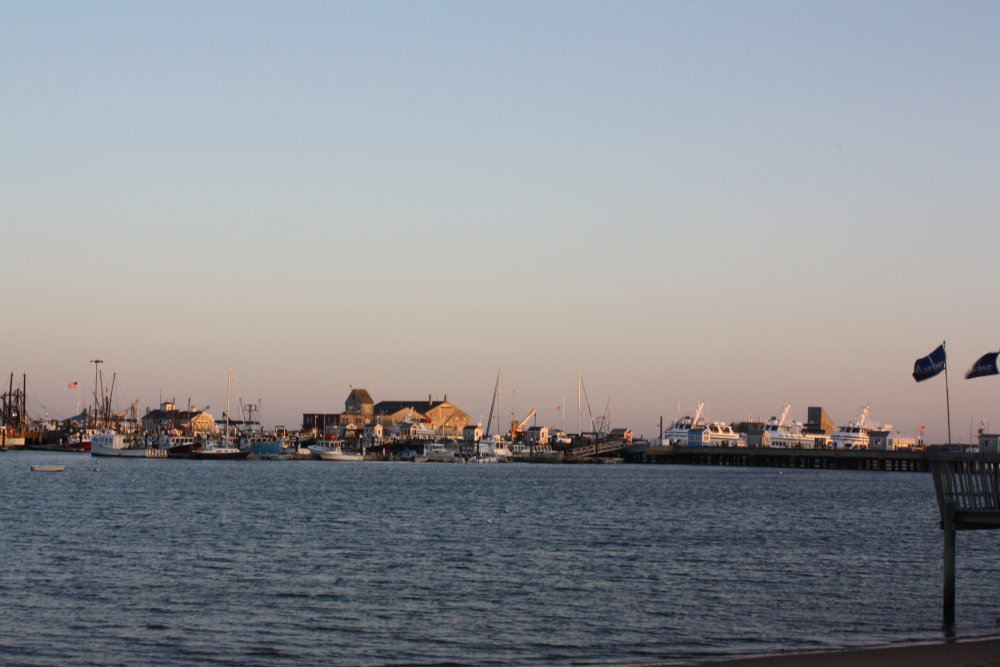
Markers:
point(153, 562)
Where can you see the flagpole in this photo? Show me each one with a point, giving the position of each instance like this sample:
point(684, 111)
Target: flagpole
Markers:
point(947, 394)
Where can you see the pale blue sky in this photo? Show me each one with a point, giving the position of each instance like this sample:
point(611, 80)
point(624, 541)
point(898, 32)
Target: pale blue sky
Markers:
point(743, 203)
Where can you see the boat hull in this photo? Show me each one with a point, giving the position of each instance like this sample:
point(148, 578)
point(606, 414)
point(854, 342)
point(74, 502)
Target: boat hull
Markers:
point(128, 452)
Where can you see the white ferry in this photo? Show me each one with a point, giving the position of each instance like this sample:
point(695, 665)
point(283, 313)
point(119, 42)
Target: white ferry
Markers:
point(679, 431)
point(855, 434)
point(784, 434)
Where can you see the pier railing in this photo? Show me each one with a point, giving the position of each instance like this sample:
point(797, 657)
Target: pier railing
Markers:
point(968, 495)
point(972, 483)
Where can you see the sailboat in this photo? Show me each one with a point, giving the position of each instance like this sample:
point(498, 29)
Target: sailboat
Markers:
point(494, 447)
point(222, 447)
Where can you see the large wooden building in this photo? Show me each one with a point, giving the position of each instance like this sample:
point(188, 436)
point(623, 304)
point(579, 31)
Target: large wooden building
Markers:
point(440, 417)
point(167, 418)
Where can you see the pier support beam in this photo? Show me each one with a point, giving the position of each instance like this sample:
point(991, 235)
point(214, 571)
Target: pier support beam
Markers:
point(948, 524)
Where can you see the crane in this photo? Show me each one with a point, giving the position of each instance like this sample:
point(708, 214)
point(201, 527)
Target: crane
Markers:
point(517, 429)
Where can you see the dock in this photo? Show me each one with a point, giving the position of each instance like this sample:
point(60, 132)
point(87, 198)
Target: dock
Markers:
point(774, 457)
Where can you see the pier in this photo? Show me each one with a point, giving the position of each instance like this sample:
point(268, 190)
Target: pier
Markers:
point(773, 457)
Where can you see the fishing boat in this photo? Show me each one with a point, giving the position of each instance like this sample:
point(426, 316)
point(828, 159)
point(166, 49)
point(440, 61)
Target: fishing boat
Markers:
point(14, 416)
point(494, 449)
point(113, 443)
point(332, 449)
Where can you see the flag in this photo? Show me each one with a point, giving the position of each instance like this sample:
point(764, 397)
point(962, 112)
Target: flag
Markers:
point(927, 367)
point(73, 385)
point(987, 365)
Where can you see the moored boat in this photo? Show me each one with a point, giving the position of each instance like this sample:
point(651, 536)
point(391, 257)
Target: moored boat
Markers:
point(113, 443)
point(678, 433)
point(854, 435)
point(435, 452)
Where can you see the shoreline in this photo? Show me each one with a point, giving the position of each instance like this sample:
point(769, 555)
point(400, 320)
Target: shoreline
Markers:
point(980, 652)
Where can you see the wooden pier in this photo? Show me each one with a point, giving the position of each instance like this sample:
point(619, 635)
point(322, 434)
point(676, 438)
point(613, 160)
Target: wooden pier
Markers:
point(774, 457)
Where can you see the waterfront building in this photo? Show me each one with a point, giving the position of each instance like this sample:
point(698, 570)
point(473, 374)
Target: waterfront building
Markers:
point(989, 443)
point(439, 416)
point(167, 418)
point(537, 435)
point(360, 411)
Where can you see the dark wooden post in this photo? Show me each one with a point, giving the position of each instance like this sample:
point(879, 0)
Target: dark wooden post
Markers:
point(948, 524)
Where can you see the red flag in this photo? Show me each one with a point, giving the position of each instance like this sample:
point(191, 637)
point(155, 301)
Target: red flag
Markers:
point(72, 385)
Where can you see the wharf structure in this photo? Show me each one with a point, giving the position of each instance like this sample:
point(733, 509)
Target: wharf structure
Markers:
point(774, 457)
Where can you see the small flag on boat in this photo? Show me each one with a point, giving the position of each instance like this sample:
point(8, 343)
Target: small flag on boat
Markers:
point(987, 365)
point(73, 385)
point(927, 367)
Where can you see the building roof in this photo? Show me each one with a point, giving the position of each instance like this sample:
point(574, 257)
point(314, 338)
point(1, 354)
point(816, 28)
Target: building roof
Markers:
point(173, 415)
point(392, 407)
point(361, 395)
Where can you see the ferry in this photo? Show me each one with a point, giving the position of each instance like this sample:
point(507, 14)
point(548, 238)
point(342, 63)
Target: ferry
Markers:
point(721, 434)
point(678, 432)
point(855, 434)
point(782, 434)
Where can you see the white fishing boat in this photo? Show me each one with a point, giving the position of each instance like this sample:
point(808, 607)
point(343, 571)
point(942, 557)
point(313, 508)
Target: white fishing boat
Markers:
point(113, 443)
point(678, 432)
point(333, 450)
point(493, 449)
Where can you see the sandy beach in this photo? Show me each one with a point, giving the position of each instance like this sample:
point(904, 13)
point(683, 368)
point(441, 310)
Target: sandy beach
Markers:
point(971, 653)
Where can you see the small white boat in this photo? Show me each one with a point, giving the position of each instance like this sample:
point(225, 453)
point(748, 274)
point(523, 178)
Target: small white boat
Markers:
point(47, 468)
point(337, 454)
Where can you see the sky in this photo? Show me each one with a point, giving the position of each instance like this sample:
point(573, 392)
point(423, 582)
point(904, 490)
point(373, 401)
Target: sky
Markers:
point(742, 203)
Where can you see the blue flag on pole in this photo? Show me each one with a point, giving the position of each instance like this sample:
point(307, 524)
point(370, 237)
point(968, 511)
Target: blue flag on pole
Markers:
point(987, 365)
point(929, 366)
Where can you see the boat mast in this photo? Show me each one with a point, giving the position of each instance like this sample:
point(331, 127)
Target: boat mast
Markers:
point(97, 363)
point(229, 388)
point(579, 404)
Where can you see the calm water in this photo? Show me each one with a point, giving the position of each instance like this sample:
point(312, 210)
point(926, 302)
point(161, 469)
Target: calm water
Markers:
point(117, 562)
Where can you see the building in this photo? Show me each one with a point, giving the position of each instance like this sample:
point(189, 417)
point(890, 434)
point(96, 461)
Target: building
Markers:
point(989, 443)
point(818, 423)
point(621, 435)
point(439, 416)
point(537, 436)
point(167, 418)
point(359, 407)
point(432, 417)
